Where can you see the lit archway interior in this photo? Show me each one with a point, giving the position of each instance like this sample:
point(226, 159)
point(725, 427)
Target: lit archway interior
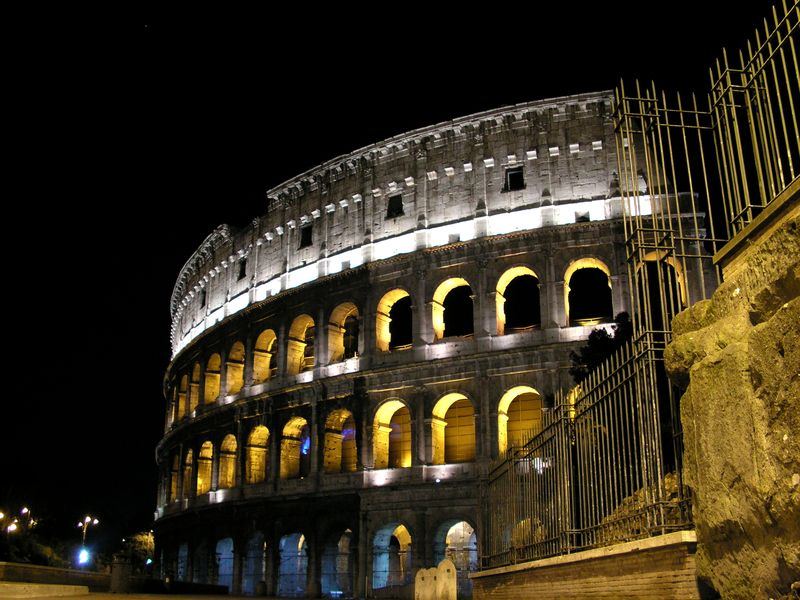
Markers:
point(182, 573)
point(234, 369)
point(393, 321)
point(174, 474)
point(587, 292)
point(517, 300)
point(340, 453)
point(265, 356)
point(343, 332)
point(452, 309)
point(211, 388)
point(293, 566)
point(194, 387)
point(453, 430)
point(227, 462)
point(661, 289)
point(295, 449)
point(518, 414)
point(204, 459)
point(391, 556)
point(338, 566)
point(300, 346)
point(257, 456)
point(188, 466)
point(224, 563)
point(183, 388)
point(457, 541)
point(255, 562)
point(391, 434)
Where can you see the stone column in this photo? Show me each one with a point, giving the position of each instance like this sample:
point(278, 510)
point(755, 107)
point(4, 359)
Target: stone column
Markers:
point(284, 349)
point(272, 570)
point(321, 357)
point(239, 551)
point(179, 487)
point(314, 430)
point(215, 466)
point(241, 452)
point(314, 571)
point(249, 344)
point(223, 375)
point(418, 433)
point(419, 308)
point(195, 462)
point(363, 572)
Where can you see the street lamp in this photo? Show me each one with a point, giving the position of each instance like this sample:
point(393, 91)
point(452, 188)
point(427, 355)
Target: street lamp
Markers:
point(84, 525)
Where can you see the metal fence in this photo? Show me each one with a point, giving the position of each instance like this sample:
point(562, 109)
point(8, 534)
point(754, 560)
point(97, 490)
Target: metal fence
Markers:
point(605, 465)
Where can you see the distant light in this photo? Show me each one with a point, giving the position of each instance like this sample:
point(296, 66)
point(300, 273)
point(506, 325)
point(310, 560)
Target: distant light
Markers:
point(80, 524)
point(149, 561)
point(95, 522)
point(24, 510)
point(83, 556)
point(2, 515)
point(123, 539)
point(87, 519)
point(438, 480)
point(12, 528)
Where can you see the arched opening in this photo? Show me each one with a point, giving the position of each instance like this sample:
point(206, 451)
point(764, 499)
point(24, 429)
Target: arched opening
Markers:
point(204, 461)
point(300, 346)
point(295, 449)
point(518, 416)
point(257, 457)
point(343, 332)
point(255, 561)
point(265, 356)
point(200, 566)
point(391, 557)
point(211, 388)
point(188, 467)
point(393, 321)
point(194, 388)
point(338, 566)
point(391, 435)
point(457, 541)
point(452, 309)
point(340, 453)
point(517, 301)
point(182, 572)
point(293, 566)
point(227, 462)
point(587, 293)
point(224, 563)
point(234, 369)
point(183, 388)
point(453, 430)
point(174, 475)
point(662, 290)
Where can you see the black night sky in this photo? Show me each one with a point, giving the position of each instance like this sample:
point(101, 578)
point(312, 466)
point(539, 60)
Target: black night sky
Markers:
point(128, 141)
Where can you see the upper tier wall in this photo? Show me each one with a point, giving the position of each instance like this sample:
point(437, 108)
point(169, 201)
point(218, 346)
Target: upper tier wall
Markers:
point(427, 188)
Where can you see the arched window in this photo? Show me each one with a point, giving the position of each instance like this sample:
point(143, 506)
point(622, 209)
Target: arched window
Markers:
point(194, 388)
point(224, 563)
point(227, 462)
point(182, 390)
point(343, 332)
point(517, 301)
point(661, 288)
point(174, 475)
point(234, 372)
point(204, 461)
point(391, 436)
point(265, 356)
point(518, 415)
point(393, 321)
point(338, 566)
point(300, 346)
point(293, 566)
point(295, 449)
point(587, 292)
point(457, 541)
point(257, 457)
point(452, 309)
point(391, 556)
point(340, 442)
point(211, 391)
point(453, 430)
point(188, 467)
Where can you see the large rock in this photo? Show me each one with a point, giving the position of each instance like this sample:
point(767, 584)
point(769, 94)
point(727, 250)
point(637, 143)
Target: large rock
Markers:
point(738, 358)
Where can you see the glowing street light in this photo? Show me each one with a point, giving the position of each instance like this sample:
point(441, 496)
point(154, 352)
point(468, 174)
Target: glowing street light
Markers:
point(11, 528)
point(83, 556)
point(87, 520)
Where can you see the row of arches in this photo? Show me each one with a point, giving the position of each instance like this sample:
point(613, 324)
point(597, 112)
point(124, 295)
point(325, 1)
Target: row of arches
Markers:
point(587, 296)
point(287, 562)
point(452, 439)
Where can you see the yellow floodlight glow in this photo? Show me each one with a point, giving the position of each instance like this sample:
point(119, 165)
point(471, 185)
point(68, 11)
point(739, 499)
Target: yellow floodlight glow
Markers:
point(12, 528)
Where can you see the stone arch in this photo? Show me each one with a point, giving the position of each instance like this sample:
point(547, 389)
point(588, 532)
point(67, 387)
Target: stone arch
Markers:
point(661, 289)
point(338, 565)
point(194, 387)
point(457, 540)
point(257, 455)
point(452, 308)
point(234, 369)
point(224, 563)
point(183, 388)
point(227, 462)
point(300, 345)
point(211, 388)
point(343, 332)
point(188, 468)
point(340, 454)
point(293, 565)
point(393, 321)
point(391, 556)
point(204, 461)
point(391, 436)
point(295, 449)
point(517, 299)
point(265, 356)
point(518, 414)
point(587, 292)
point(453, 429)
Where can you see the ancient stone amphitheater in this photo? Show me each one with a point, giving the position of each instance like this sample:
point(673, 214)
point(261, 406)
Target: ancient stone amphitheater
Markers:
point(346, 367)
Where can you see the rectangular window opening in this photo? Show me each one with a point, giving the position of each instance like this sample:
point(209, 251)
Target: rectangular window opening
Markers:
point(515, 180)
point(395, 207)
point(242, 269)
point(202, 298)
point(306, 238)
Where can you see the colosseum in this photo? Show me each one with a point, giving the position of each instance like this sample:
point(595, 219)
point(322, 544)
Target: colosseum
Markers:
point(345, 368)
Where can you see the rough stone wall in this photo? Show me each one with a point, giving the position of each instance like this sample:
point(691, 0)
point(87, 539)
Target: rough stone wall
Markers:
point(738, 355)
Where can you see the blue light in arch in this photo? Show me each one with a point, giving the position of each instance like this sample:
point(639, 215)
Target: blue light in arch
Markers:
point(306, 445)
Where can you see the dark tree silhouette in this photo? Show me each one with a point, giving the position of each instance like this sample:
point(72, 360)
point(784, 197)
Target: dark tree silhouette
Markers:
point(600, 346)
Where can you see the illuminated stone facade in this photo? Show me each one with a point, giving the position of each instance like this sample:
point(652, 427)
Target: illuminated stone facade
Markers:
point(346, 367)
